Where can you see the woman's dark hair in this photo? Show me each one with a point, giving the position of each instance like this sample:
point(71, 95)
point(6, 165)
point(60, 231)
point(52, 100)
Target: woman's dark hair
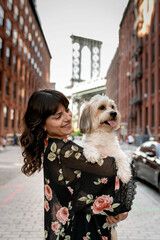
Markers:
point(41, 105)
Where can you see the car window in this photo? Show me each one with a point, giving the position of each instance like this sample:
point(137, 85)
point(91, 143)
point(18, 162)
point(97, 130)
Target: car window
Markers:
point(148, 147)
point(158, 150)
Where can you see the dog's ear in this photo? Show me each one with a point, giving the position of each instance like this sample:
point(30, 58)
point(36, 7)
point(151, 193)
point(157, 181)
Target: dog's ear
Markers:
point(86, 120)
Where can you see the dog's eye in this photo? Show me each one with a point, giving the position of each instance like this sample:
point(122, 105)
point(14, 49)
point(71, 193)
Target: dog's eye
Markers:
point(112, 107)
point(102, 107)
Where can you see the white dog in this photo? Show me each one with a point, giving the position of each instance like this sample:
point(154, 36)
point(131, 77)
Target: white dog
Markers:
point(99, 120)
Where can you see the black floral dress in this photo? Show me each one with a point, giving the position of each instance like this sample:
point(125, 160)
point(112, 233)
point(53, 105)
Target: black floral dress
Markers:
point(79, 195)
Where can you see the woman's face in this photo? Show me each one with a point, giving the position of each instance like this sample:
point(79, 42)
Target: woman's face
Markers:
point(59, 125)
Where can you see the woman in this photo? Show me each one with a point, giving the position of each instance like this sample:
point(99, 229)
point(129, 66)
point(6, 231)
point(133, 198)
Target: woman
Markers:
point(81, 199)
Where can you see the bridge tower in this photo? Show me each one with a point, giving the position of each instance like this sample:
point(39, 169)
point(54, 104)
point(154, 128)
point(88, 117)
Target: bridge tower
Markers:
point(95, 58)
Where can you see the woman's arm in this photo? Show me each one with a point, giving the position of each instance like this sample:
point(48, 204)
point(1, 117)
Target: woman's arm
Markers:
point(72, 156)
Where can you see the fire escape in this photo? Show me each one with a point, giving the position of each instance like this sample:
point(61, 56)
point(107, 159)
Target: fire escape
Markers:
point(137, 74)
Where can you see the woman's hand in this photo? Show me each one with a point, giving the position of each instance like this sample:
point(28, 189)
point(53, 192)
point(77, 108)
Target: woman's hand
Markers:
point(115, 219)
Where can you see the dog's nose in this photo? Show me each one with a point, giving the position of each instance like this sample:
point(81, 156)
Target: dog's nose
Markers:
point(113, 114)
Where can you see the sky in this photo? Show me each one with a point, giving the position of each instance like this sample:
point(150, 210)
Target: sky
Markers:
point(95, 19)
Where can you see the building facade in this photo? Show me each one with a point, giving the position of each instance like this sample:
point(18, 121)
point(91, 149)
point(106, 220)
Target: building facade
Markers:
point(112, 77)
point(139, 69)
point(23, 52)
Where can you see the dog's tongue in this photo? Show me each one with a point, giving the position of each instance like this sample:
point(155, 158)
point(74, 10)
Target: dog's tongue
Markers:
point(112, 123)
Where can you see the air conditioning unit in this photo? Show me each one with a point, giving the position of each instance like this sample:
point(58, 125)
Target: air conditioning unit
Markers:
point(145, 95)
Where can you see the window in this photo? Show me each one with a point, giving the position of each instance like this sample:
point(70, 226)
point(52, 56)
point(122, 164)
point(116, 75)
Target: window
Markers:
point(33, 43)
point(146, 117)
point(19, 95)
point(29, 37)
point(21, 69)
point(30, 19)
point(153, 83)
point(159, 114)
point(36, 33)
point(153, 52)
point(8, 27)
point(35, 49)
point(9, 4)
point(8, 56)
point(153, 115)
point(25, 51)
point(19, 117)
point(0, 81)
point(146, 85)
point(21, 22)
point(12, 118)
point(15, 37)
point(159, 79)
point(16, 13)
point(35, 65)
point(14, 90)
point(15, 63)
point(32, 61)
point(26, 11)
point(24, 99)
point(1, 48)
point(20, 45)
point(25, 31)
point(1, 16)
point(147, 59)
point(7, 86)
point(29, 56)
point(154, 22)
point(5, 112)
point(22, 4)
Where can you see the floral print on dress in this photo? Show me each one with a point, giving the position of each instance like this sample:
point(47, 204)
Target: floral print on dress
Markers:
point(62, 215)
point(45, 144)
point(101, 180)
point(46, 205)
point(48, 192)
point(70, 190)
point(104, 238)
point(55, 152)
point(55, 226)
point(78, 173)
point(87, 237)
point(117, 184)
point(73, 209)
point(102, 203)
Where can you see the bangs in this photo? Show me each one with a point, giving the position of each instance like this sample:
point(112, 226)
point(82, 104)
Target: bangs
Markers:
point(52, 102)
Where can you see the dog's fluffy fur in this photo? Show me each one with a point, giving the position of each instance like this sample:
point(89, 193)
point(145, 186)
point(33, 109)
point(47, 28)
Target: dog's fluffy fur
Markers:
point(99, 120)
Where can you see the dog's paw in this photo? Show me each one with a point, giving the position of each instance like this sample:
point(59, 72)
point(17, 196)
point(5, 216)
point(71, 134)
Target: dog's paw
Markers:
point(124, 174)
point(91, 156)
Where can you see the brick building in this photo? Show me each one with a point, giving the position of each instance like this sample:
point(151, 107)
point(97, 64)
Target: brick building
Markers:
point(23, 52)
point(112, 85)
point(139, 69)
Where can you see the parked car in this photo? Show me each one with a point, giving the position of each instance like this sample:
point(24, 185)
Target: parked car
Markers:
point(146, 159)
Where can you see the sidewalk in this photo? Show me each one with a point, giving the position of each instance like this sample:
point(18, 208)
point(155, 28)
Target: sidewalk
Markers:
point(21, 203)
point(21, 210)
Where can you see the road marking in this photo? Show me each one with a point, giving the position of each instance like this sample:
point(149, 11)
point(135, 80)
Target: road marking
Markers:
point(19, 188)
point(135, 207)
point(14, 165)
